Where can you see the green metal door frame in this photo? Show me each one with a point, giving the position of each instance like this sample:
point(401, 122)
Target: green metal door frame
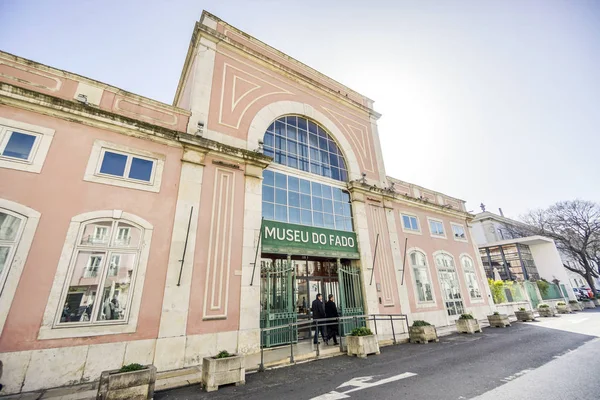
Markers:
point(351, 296)
point(278, 307)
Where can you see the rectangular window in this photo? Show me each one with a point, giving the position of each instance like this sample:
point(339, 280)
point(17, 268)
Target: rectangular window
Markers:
point(18, 145)
point(299, 201)
point(410, 223)
point(126, 166)
point(459, 232)
point(93, 265)
point(436, 228)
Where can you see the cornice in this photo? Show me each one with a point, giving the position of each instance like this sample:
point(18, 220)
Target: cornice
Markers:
point(15, 96)
point(386, 196)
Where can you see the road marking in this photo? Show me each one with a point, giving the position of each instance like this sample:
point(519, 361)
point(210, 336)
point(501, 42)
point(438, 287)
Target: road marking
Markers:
point(360, 383)
point(515, 376)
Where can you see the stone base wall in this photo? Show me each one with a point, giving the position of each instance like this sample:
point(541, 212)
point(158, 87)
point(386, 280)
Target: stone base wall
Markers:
point(26, 371)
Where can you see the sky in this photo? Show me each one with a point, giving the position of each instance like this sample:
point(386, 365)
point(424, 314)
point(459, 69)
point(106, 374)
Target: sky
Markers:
point(488, 101)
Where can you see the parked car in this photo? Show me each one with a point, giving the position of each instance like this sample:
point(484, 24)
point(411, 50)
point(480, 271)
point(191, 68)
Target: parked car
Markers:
point(579, 294)
point(588, 292)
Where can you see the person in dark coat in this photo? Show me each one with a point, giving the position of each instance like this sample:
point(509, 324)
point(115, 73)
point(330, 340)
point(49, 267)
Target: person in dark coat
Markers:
point(318, 310)
point(332, 312)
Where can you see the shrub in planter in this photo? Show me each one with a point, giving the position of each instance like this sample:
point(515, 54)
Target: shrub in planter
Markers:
point(575, 305)
point(588, 303)
point(467, 324)
point(498, 320)
point(563, 308)
point(361, 342)
point(223, 369)
point(546, 311)
point(132, 381)
point(524, 315)
point(422, 332)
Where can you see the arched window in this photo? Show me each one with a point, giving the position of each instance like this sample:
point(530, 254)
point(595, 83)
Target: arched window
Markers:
point(300, 143)
point(102, 272)
point(11, 227)
point(449, 283)
point(421, 276)
point(471, 277)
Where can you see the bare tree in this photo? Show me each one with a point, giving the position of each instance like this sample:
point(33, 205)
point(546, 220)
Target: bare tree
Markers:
point(575, 228)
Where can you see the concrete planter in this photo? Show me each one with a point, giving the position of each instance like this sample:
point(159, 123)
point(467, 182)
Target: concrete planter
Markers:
point(566, 309)
point(588, 304)
point(498, 321)
point(596, 302)
point(467, 326)
point(134, 385)
point(524, 316)
point(361, 346)
point(546, 311)
point(576, 306)
point(223, 371)
point(422, 334)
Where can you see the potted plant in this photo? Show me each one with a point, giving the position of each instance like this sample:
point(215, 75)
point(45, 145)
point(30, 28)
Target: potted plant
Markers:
point(524, 315)
point(422, 332)
point(132, 381)
point(223, 369)
point(575, 305)
point(546, 311)
point(498, 320)
point(362, 342)
point(588, 303)
point(563, 308)
point(467, 324)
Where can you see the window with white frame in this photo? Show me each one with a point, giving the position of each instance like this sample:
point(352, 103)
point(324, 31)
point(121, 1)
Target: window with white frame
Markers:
point(436, 228)
point(99, 285)
point(11, 226)
point(18, 146)
point(471, 278)
point(124, 166)
point(127, 166)
point(421, 276)
point(410, 223)
point(459, 232)
point(23, 146)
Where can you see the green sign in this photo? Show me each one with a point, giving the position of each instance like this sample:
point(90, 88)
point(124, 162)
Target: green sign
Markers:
point(282, 238)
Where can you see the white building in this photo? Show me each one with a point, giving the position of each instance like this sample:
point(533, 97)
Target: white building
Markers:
point(508, 257)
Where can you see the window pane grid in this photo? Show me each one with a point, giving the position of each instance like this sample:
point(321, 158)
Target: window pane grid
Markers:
point(290, 143)
point(300, 201)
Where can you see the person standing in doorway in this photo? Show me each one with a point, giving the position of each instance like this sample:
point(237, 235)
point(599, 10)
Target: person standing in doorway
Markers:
point(318, 310)
point(332, 312)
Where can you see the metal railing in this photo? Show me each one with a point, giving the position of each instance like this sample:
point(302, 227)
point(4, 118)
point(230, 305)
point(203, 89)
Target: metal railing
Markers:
point(355, 320)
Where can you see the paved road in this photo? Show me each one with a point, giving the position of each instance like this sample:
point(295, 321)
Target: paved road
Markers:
point(458, 367)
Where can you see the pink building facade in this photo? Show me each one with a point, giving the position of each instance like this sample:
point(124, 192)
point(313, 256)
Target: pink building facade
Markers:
point(136, 231)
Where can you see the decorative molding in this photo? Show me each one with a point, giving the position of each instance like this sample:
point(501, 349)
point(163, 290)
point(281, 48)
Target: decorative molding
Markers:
point(218, 263)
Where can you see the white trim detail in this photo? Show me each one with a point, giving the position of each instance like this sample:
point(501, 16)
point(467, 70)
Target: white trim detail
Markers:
point(452, 225)
point(92, 171)
point(419, 231)
point(421, 304)
point(265, 117)
point(15, 268)
point(49, 330)
point(429, 220)
point(39, 151)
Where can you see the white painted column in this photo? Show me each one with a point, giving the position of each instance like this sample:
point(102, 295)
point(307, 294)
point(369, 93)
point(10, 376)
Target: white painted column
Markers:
point(201, 79)
point(249, 331)
point(479, 263)
point(170, 345)
point(361, 224)
point(378, 152)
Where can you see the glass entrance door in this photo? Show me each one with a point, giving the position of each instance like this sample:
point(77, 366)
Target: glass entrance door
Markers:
point(449, 285)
